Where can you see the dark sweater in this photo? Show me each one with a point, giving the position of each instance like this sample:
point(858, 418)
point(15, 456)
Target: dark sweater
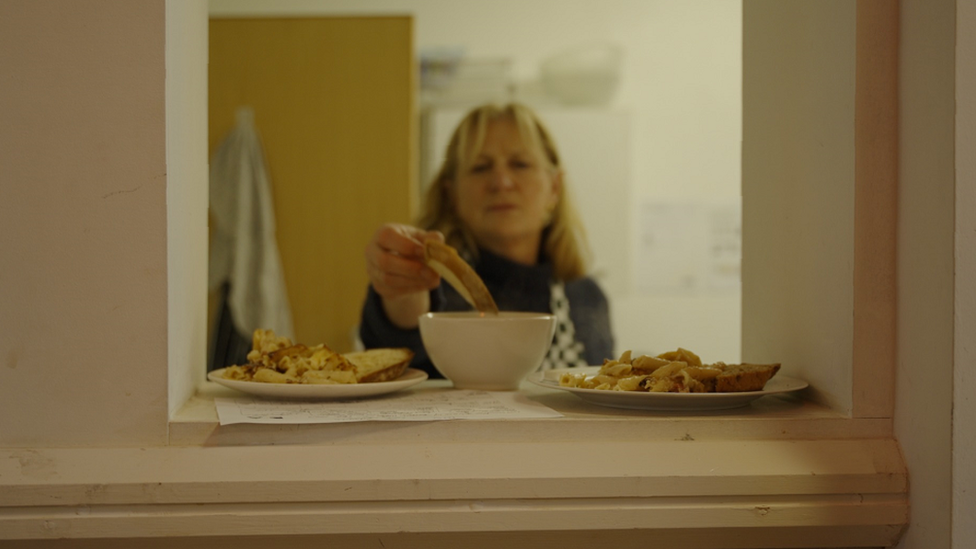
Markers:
point(515, 287)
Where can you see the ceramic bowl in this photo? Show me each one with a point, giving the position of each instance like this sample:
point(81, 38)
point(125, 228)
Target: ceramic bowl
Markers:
point(484, 351)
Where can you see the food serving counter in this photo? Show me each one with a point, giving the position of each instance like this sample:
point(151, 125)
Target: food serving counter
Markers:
point(780, 472)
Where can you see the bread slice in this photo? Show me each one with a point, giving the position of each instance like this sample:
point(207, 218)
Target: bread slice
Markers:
point(445, 260)
point(737, 378)
point(374, 365)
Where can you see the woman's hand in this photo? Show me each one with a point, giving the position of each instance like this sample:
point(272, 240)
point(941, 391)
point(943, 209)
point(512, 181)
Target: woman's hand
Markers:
point(396, 269)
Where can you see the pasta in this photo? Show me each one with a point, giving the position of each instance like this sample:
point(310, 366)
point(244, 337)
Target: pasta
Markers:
point(275, 359)
point(679, 371)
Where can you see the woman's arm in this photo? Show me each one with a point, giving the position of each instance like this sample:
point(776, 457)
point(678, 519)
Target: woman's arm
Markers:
point(398, 274)
point(404, 311)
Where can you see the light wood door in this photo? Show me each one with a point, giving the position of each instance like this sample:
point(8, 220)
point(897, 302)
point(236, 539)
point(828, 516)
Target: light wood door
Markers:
point(333, 102)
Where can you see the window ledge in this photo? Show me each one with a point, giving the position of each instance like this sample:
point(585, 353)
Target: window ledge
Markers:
point(770, 417)
point(780, 473)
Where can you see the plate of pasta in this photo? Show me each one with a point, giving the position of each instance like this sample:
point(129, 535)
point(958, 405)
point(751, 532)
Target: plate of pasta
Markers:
point(673, 381)
point(277, 367)
point(408, 378)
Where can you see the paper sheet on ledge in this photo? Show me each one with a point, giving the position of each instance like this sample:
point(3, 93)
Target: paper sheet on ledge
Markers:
point(424, 405)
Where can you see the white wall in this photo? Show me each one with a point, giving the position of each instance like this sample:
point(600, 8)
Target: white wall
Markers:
point(681, 86)
point(964, 382)
point(793, 181)
point(926, 229)
point(187, 177)
point(83, 263)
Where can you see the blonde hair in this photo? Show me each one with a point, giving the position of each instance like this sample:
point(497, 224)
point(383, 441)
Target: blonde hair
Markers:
point(564, 241)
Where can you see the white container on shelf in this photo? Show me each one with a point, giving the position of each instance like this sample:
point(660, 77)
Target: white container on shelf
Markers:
point(584, 75)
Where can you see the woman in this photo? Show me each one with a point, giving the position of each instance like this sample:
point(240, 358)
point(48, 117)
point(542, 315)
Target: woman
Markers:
point(500, 199)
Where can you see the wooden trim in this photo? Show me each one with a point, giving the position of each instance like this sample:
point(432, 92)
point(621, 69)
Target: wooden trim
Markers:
point(875, 206)
point(638, 538)
point(768, 490)
point(414, 184)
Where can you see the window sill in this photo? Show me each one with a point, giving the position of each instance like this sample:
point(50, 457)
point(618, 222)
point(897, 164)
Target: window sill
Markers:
point(780, 473)
point(771, 417)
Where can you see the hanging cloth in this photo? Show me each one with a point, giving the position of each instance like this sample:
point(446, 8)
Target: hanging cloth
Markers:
point(244, 256)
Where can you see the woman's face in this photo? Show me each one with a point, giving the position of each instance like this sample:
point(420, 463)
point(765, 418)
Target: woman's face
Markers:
point(507, 192)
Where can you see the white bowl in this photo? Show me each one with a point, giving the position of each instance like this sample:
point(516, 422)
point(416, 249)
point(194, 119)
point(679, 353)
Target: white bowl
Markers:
point(484, 351)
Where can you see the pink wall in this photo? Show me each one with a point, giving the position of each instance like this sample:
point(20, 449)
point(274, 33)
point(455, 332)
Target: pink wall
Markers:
point(83, 223)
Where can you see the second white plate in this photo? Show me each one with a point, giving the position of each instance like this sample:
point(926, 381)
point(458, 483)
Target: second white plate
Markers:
point(636, 400)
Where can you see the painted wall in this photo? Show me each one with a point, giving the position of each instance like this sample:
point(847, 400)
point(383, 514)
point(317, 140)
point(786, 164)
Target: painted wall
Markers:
point(926, 227)
point(923, 413)
point(83, 320)
point(964, 379)
point(681, 88)
point(798, 191)
point(187, 185)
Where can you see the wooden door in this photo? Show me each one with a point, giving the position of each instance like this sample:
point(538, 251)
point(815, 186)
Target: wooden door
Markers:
point(333, 102)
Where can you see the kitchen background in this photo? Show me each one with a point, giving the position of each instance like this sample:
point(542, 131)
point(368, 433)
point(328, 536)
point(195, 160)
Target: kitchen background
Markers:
point(644, 98)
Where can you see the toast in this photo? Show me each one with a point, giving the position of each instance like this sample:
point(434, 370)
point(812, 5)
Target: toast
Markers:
point(375, 365)
point(445, 260)
point(737, 378)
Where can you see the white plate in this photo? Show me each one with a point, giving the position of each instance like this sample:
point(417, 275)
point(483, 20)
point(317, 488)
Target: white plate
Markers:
point(409, 378)
point(665, 401)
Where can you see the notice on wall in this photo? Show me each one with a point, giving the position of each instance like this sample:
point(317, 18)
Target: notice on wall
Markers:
point(688, 247)
point(723, 258)
point(418, 405)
